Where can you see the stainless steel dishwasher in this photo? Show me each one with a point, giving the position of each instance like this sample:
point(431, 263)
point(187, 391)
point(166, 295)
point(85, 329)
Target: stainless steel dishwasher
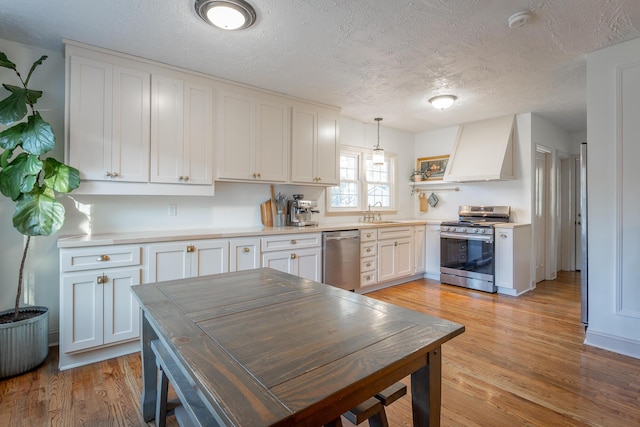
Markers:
point(341, 266)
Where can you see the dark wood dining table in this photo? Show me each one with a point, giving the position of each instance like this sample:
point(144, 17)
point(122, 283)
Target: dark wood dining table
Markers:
point(265, 348)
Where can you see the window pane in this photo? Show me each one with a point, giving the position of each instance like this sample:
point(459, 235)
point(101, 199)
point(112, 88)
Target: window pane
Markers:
point(348, 167)
point(345, 195)
point(379, 193)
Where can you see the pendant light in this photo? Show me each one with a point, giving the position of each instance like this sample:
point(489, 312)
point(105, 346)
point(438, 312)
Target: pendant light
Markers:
point(378, 153)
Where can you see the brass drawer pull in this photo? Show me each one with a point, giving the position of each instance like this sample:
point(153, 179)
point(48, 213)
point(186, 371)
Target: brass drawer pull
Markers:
point(101, 280)
point(191, 248)
point(294, 256)
point(245, 250)
point(368, 264)
point(103, 258)
point(368, 250)
point(293, 242)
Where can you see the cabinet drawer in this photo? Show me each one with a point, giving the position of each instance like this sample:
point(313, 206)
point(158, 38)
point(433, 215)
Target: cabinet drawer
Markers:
point(367, 235)
point(291, 241)
point(368, 264)
point(99, 257)
point(368, 278)
point(394, 232)
point(368, 249)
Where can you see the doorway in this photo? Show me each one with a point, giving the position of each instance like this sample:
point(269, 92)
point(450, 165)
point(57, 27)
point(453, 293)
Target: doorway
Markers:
point(541, 212)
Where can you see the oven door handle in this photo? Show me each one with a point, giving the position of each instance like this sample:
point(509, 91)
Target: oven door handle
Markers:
point(488, 239)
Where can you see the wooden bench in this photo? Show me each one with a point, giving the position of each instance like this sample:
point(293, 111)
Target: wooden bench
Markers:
point(193, 412)
point(372, 409)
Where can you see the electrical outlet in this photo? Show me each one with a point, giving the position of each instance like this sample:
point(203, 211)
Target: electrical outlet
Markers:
point(173, 210)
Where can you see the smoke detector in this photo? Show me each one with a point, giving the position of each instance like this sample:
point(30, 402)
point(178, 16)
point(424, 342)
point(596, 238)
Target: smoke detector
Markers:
point(518, 19)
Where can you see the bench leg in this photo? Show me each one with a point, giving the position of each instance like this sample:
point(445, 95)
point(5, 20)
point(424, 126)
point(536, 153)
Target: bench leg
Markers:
point(379, 419)
point(148, 398)
point(161, 399)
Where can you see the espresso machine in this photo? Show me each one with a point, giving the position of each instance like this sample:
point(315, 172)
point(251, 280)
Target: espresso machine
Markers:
point(300, 210)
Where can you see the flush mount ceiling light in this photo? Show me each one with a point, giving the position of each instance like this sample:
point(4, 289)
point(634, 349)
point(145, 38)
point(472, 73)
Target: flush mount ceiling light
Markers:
point(519, 19)
point(378, 153)
point(226, 14)
point(443, 102)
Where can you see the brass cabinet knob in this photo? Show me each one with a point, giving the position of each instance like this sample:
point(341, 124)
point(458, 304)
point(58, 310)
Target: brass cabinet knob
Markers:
point(103, 258)
point(180, 178)
point(114, 174)
point(101, 280)
point(293, 242)
point(245, 250)
point(368, 278)
point(368, 250)
point(191, 248)
point(186, 178)
point(368, 264)
point(107, 173)
point(294, 256)
point(368, 234)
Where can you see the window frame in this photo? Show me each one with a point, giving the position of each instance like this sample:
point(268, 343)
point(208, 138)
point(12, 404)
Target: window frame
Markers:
point(363, 155)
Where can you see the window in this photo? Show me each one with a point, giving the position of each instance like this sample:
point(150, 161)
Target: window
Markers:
point(363, 184)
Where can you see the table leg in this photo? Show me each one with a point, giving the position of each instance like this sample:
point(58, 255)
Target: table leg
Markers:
point(149, 378)
point(426, 385)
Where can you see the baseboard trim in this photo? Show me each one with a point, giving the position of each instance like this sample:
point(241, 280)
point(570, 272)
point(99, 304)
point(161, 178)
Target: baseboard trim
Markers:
point(625, 346)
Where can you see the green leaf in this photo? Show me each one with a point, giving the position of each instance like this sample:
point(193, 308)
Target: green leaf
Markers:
point(12, 137)
point(5, 156)
point(14, 107)
point(38, 137)
point(60, 177)
point(4, 62)
point(33, 67)
point(20, 175)
point(38, 214)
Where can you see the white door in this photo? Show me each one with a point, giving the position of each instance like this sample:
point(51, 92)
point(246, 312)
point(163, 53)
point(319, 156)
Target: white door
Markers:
point(236, 136)
point(327, 150)
point(304, 145)
point(167, 129)
point(272, 142)
point(309, 264)
point(420, 246)
point(280, 260)
point(386, 260)
point(578, 218)
point(168, 261)
point(211, 257)
point(244, 254)
point(540, 216)
point(404, 257)
point(198, 134)
point(121, 308)
point(81, 311)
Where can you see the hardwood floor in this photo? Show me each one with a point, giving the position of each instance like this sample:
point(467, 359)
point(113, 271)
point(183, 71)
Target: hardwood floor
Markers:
point(521, 362)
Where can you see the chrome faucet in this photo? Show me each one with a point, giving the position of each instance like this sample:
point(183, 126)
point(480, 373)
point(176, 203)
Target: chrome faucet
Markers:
point(370, 215)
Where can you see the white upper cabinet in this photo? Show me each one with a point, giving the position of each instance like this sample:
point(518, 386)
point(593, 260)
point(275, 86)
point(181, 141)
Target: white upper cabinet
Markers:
point(253, 137)
point(181, 131)
point(108, 120)
point(315, 146)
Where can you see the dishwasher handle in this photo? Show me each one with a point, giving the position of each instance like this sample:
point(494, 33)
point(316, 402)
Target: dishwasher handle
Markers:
point(341, 238)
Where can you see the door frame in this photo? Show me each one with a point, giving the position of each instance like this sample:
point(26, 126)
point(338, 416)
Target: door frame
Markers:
point(550, 198)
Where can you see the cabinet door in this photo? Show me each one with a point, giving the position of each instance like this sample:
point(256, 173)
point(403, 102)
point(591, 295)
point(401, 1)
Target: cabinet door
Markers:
point(130, 135)
point(280, 261)
point(244, 254)
point(303, 147)
point(309, 264)
point(90, 117)
point(121, 308)
point(504, 248)
point(272, 141)
point(168, 261)
point(404, 256)
point(420, 246)
point(386, 260)
point(81, 311)
point(212, 257)
point(236, 136)
point(433, 250)
point(198, 134)
point(167, 129)
point(327, 150)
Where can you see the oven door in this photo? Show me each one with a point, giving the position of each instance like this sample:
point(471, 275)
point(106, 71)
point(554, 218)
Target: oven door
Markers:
point(467, 255)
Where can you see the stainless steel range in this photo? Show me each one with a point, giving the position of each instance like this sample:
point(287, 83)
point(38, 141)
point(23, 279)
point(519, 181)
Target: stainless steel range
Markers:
point(467, 247)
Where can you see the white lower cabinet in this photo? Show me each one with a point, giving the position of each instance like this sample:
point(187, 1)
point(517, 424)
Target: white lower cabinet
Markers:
point(432, 249)
point(395, 253)
point(513, 250)
point(244, 254)
point(179, 260)
point(96, 305)
point(419, 245)
point(300, 255)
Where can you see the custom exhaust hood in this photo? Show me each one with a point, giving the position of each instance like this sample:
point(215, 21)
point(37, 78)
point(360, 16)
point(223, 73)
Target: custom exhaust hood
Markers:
point(483, 151)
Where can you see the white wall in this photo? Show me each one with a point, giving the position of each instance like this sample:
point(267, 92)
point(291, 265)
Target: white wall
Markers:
point(234, 204)
point(515, 193)
point(613, 106)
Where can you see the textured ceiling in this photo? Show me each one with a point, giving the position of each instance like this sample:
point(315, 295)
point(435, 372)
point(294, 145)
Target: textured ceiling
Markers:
point(375, 58)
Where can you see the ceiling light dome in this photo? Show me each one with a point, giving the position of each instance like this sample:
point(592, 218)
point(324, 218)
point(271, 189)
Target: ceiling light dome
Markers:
point(442, 102)
point(226, 14)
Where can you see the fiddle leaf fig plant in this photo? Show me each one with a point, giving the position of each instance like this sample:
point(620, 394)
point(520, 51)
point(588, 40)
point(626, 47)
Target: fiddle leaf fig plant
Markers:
point(27, 178)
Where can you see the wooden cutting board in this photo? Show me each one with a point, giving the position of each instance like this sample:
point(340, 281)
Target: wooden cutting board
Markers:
point(266, 213)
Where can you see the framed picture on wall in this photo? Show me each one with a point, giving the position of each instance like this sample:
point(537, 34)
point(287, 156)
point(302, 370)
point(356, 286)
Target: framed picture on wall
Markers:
point(433, 167)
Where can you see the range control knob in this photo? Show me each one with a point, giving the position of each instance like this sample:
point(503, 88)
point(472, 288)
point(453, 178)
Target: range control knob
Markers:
point(482, 231)
point(473, 230)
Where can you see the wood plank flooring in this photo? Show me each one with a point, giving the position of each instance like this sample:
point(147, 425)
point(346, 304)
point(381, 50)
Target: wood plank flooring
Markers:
point(521, 362)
